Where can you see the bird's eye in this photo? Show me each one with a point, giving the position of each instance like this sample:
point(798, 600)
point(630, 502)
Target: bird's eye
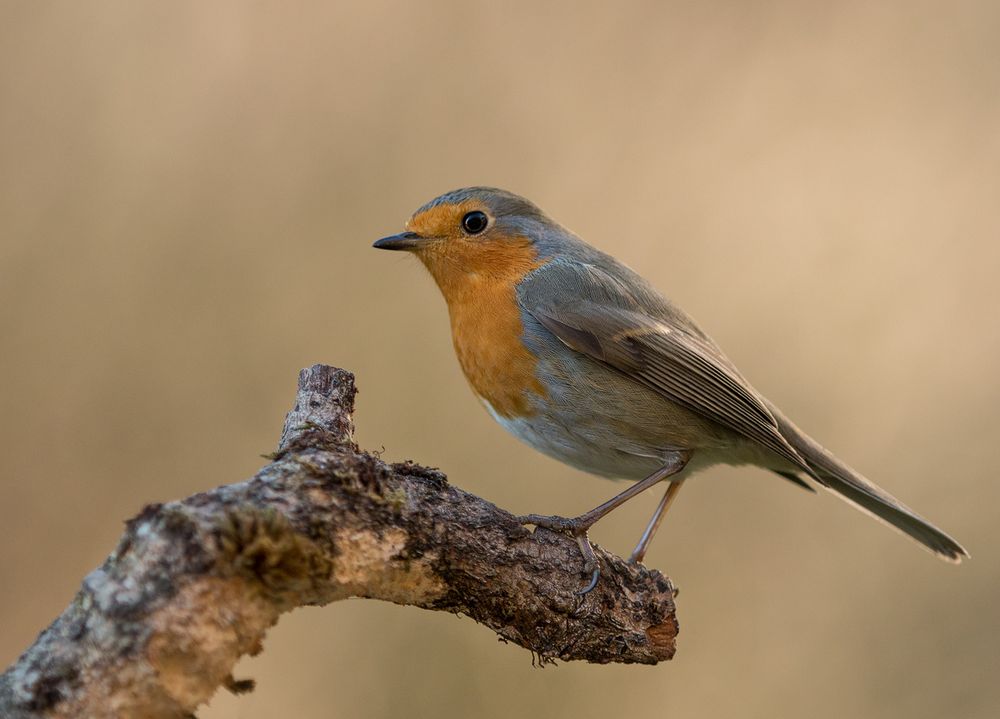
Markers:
point(475, 222)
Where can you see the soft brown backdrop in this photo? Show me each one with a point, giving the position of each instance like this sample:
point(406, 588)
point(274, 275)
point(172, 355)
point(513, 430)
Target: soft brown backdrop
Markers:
point(188, 193)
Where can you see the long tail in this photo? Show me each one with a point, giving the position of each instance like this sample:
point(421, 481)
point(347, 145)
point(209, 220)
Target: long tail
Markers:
point(850, 486)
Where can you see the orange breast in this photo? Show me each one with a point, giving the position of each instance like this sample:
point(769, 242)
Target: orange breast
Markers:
point(486, 323)
point(487, 332)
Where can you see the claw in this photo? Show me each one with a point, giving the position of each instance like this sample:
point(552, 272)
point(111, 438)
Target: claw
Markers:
point(578, 528)
point(593, 583)
point(590, 562)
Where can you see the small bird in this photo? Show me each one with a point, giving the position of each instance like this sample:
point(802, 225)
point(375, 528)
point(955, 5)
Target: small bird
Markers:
point(581, 358)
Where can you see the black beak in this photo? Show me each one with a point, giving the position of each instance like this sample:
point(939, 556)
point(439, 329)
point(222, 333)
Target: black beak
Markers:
point(403, 241)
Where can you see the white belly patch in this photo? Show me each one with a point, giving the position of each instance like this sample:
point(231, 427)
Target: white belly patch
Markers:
point(590, 454)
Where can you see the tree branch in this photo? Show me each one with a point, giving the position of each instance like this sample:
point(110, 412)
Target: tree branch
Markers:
point(194, 585)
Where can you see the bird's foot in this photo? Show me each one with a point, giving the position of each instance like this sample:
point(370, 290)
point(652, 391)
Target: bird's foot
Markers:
point(570, 525)
point(576, 527)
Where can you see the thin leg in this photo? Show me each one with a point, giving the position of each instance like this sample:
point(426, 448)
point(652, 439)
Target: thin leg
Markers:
point(578, 526)
point(654, 523)
point(585, 521)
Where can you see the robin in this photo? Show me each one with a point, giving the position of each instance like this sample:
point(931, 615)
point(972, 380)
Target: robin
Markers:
point(581, 358)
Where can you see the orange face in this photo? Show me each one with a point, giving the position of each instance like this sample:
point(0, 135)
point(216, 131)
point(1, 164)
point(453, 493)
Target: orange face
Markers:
point(452, 254)
point(477, 274)
point(445, 220)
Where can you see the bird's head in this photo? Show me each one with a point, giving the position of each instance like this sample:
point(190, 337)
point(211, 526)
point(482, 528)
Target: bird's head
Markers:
point(474, 233)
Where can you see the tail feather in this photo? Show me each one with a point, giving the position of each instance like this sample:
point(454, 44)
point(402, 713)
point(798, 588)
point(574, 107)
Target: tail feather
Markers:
point(850, 486)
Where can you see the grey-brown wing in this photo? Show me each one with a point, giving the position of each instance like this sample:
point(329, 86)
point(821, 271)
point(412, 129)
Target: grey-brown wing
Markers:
point(592, 313)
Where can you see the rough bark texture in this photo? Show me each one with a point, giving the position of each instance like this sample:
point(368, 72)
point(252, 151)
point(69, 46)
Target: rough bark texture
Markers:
point(193, 585)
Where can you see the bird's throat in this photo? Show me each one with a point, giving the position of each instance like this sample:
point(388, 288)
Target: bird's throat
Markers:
point(480, 289)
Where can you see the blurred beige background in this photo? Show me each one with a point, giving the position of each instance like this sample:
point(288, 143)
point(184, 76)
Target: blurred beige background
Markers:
point(188, 194)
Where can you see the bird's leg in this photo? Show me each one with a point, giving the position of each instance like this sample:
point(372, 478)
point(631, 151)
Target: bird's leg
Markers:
point(654, 523)
point(578, 526)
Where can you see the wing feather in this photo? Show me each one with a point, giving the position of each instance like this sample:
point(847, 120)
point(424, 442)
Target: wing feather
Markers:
point(595, 315)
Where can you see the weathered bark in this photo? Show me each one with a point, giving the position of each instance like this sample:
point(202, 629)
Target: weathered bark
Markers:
point(193, 585)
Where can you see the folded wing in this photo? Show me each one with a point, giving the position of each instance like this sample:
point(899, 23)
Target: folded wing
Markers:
point(592, 312)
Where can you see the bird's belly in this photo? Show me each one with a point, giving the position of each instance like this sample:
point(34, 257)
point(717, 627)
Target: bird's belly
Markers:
point(596, 419)
point(581, 444)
